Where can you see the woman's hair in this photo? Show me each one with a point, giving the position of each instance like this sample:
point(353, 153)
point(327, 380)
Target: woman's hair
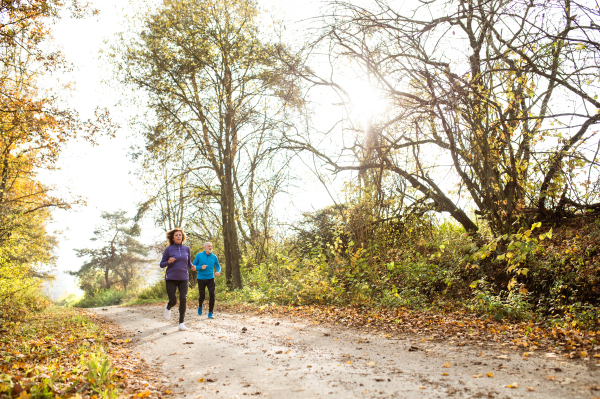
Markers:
point(171, 235)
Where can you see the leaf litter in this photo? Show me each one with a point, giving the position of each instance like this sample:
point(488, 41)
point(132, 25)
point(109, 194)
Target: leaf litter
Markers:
point(460, 327)
point(72, 353)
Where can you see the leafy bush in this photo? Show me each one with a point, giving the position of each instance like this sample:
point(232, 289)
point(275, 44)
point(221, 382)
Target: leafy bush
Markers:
point(102, 298)
point(153, 293)
point(67, 300)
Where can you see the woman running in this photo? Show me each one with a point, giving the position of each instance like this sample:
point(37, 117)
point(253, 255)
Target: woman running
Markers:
point(177, 260)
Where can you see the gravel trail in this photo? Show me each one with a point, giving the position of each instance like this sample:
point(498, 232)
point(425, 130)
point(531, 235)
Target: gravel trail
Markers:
point(237, 355)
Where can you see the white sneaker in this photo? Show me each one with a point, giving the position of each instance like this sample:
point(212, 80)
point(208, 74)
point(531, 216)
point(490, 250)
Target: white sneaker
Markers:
point(182, 327)
point(167, 313)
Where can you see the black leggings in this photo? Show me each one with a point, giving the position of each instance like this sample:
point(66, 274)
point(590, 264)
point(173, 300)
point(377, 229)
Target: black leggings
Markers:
point(202, 284)
point(172, 286)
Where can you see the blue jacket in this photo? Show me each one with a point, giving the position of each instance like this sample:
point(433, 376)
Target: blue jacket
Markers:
point(211, 263)
point(178, 269)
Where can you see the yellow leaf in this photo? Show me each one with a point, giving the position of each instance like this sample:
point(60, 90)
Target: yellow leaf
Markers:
point(491, 375)
point(446, 365)
point(445, 374)
point(348, 362)
point(513, 385)
point(200, 379)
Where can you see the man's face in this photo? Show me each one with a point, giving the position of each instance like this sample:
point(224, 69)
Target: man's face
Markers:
point(208, 248)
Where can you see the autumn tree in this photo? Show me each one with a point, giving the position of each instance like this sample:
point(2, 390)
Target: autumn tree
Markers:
point(35, 125)
point(118, 262)
point(215, 91)
point(500, 95)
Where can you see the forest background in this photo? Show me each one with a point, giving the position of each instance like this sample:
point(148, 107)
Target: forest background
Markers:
point(463, 179)
point(369, 162)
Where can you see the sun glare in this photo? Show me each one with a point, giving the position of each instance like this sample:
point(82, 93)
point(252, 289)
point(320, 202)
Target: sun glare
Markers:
point(366, 101)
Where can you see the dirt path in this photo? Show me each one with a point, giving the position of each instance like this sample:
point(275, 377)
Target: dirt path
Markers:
point(239, 355)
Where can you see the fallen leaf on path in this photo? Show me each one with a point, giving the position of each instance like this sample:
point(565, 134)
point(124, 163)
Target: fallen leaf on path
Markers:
point(531, 388)
point(446, 365)
point(501, 357)
point(550, 354)
point(478, 376)
point(568, 381)
point(371, 363)
point(513, 385)
point(491, 375)
point(188, 343)
point(551, 378)
point(180, 379)
point(211, 380)
point(200, 379)
point(445, 374)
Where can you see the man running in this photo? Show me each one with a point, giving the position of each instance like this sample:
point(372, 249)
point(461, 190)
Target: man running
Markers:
point(205, 263)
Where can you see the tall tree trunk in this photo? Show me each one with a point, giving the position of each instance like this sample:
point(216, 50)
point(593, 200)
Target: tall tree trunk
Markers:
point(232, 249)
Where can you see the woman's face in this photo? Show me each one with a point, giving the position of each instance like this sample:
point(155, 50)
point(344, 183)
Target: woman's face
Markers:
point(178, 237)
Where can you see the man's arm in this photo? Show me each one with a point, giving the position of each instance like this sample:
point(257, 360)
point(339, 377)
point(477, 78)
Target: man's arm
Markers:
point(196, 262)
point(217, 265)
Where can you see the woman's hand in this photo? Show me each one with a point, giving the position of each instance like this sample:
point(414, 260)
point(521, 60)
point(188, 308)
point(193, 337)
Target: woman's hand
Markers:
point(171, 260)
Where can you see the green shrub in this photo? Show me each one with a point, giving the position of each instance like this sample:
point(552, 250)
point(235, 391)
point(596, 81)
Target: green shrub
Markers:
point(155, 292)
point(109, 297)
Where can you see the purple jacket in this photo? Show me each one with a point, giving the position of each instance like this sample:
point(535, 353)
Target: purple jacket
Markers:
point(178, 269)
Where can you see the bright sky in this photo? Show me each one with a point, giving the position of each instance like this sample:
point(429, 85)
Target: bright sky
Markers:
point(103, 174)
